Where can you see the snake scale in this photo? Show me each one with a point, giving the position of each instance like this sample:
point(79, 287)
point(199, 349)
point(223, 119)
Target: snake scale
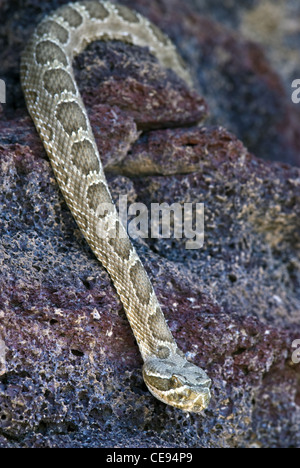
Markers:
point(56, 107)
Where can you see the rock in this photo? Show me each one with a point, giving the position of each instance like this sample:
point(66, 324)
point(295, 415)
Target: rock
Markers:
point(70, 371)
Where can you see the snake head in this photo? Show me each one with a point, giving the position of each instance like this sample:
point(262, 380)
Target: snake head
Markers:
point(178, 382)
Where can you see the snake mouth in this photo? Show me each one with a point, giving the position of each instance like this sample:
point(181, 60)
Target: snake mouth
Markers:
point(191, 400)
point(201, 402)
point(188, 400)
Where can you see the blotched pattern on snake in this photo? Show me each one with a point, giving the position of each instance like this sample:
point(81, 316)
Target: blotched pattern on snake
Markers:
point(58, 112)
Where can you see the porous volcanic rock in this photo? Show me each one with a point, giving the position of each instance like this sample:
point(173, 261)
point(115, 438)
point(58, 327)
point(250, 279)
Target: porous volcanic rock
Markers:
point(70, 370)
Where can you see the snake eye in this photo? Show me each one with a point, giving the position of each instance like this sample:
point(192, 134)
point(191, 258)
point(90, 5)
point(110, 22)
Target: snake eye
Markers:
point(175, 382)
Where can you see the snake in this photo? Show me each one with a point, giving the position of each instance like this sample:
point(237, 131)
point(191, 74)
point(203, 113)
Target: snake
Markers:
point(58, 112)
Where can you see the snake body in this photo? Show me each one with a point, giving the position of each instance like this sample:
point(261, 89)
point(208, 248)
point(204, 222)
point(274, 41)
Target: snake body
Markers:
point(60, 117)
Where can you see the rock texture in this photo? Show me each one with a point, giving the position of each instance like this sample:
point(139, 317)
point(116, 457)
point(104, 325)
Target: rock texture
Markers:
point(70, 371)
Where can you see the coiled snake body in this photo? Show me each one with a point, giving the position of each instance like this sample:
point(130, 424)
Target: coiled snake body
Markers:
point(58, 112)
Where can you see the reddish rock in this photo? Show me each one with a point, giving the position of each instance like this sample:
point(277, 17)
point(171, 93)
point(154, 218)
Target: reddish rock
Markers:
point(70, 371)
